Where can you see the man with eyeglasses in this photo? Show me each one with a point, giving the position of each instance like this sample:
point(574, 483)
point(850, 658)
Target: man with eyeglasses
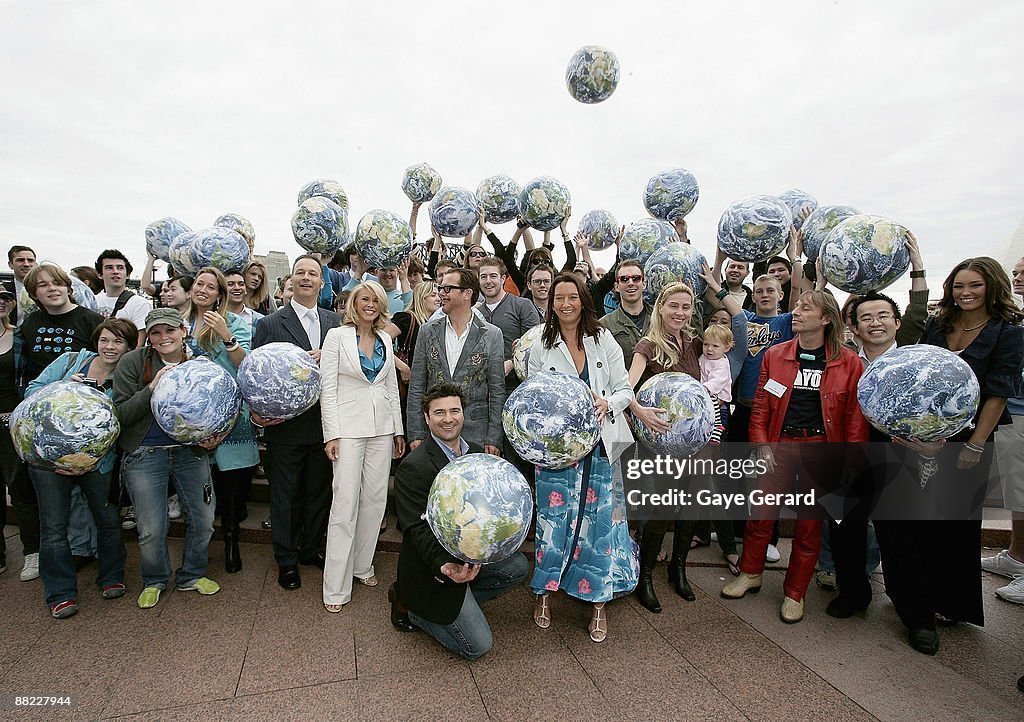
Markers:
point(879, 327)
point(398, 300)
point(632, 318)
point(538, 286)
point(464, 349)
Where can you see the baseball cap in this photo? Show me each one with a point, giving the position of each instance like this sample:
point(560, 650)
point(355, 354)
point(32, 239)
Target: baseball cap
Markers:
point(167, 316)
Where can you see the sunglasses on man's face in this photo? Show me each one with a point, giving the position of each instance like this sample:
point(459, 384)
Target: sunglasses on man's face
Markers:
point(449, 289)
point(477, 254)
point(626, 279)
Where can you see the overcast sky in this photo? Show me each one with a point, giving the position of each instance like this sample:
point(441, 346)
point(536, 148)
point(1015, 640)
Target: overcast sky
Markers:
point(115, 114)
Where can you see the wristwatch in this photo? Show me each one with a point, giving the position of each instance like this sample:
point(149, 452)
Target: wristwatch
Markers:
point(917, 274)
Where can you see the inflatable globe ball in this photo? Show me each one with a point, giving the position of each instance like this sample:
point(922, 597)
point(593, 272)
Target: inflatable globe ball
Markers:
point(600, 228)
point(689, 410)
point(592, 74)
point(919, 392)
point(279, 380)
point(159, 235)
point(65, 426)
point(798, 202)
point(324, 188)
point(83, 295)
point(550, 420)
point(453, 212)
point(754, 228)
point(674, 263)
point(499, 197)
point(543, 203)
point(383, 239)
point(320, 225)
point(819, 224)
point(240, 225)
point(220, 247)
point(644, 237)
point(420, 182)
point(179, 255)
point(671, 194)
point(523, 347)
point(196, 401)
point(865, 253)
point(479, 508)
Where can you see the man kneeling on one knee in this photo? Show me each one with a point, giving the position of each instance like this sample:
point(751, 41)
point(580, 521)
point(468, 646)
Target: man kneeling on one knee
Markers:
point(435, 591)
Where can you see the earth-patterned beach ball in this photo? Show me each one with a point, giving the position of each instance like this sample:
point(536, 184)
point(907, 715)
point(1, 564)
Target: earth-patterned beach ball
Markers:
point(592, 74)
point(479, 508)
point(523, 347)
point(65, 426)
point(83, 294)
point(673, 263)
point(220, 247)
point(179, 254)
point(865, 253)
point(689, 408)
point(383, 239)
point(159, 235)
point(499, 196)
point(754, 228)
point(453, 212)
point(798, 201)
point(550, 420)
point(543, 203)
point(324, 188)
point(671, 194)
point(195, 401)
point(240, 225)
point(320, 225)
point(919, 392)
point(279, 380)
point(644, 237)
point(421, 182)
point(819, 224)
point(600, 228)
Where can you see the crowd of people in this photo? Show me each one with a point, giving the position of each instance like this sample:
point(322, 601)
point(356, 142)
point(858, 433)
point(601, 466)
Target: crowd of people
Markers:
point(417, 362)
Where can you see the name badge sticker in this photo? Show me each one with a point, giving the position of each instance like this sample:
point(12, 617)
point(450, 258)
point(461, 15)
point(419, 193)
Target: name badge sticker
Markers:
point(774, 388)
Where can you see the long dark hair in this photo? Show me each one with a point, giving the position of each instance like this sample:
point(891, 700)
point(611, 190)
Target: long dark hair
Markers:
point(588, 326)
point(998, 293)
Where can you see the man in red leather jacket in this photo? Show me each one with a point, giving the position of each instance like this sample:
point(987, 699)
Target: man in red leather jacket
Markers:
point(806, 395)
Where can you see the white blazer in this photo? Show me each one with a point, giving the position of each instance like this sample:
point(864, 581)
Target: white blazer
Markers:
point(608, 379)
point(352, 407)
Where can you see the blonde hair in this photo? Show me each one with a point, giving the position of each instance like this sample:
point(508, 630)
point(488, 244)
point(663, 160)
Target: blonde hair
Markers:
point(419, 297)
point(718, 333)
point(352, 315)
point(58, 276)
point(207, 337)
point(829, 307)
point(666, 353)
point(258, 297)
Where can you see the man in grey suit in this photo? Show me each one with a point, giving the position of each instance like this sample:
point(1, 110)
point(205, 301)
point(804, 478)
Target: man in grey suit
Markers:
point(299, 472)
point(463, 349)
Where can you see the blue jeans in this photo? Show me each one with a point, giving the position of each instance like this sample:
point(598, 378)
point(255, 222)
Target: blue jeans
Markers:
point(81, 525)
point(469, 635)
point(53, 491)
point(145, 472)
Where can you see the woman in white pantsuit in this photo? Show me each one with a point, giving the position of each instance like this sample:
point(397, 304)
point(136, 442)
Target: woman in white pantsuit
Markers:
point(362, 422)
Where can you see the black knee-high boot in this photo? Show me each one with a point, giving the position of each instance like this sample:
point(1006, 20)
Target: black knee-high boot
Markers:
point(677, 565)
point(650, 545)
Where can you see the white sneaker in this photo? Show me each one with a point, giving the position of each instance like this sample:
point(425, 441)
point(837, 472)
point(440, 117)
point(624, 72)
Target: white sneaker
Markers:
point(1014, 591)
point(772, 555)
point(129, 519)
point(173, 507)
point(1002, 564)
point(31, 569)
point(825, 579)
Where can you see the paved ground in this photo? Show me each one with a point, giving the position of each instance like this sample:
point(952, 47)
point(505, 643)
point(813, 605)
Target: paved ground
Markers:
point(257, 651)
